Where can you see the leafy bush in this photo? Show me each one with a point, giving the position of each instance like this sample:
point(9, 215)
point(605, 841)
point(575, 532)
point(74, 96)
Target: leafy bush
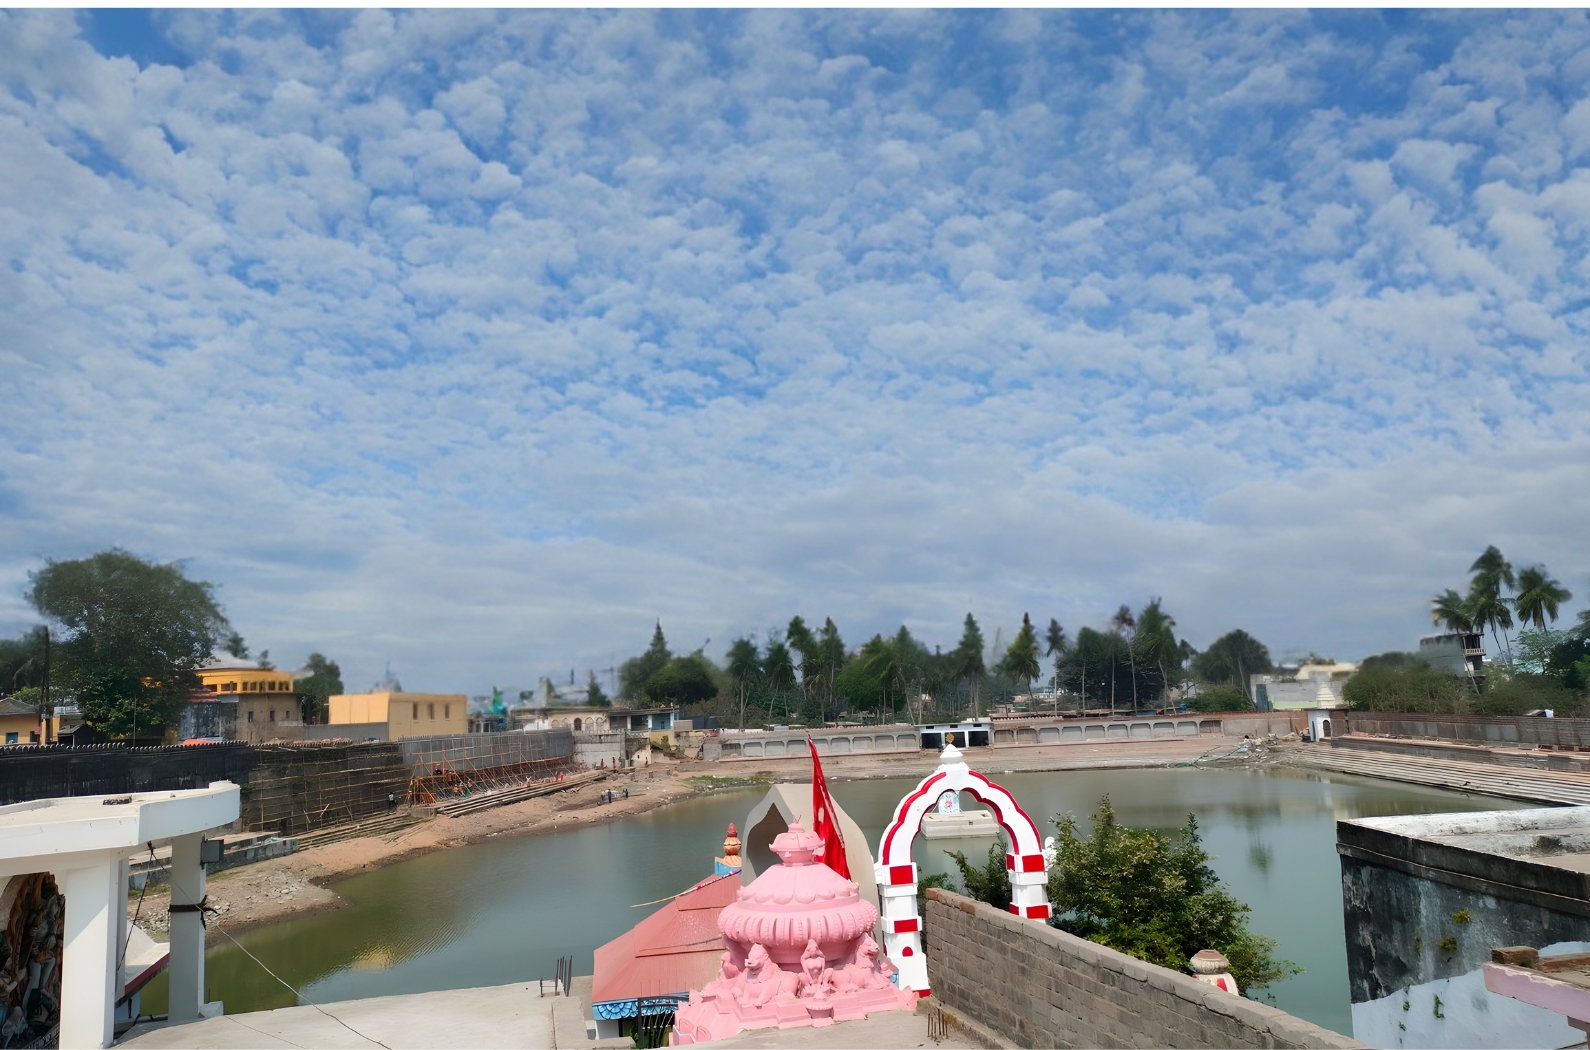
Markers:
point(1220, 698)
point(1154, 896)
point(1416, 687)
point(989, 883)
point(1523, 693)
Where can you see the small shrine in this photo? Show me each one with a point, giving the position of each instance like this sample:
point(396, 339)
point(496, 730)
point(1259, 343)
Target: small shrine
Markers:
point(799, 953)
point(729, 863)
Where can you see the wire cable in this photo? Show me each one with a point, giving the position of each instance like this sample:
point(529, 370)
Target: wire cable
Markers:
point(202, 907)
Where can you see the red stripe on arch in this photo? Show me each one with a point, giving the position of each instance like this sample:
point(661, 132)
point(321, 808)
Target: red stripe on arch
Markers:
point(903, 809)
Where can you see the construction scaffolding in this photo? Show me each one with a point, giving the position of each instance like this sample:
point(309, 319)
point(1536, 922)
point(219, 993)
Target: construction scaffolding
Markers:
point(299, 786)
point(450, 768)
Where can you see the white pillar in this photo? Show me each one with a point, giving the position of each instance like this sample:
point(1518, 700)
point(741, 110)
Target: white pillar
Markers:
point(187, 931)
point(88, 964)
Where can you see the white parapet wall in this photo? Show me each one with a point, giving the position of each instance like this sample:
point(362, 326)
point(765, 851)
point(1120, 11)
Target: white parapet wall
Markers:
point(82, 844)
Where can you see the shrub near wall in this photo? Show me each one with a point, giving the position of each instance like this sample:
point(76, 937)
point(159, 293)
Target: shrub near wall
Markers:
point(1040, 987)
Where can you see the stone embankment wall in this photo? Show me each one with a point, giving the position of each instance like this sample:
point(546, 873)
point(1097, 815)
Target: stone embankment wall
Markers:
point(1475, 729)
point(1038, 986)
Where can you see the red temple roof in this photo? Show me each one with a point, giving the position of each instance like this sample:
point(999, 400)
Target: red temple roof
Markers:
point(670, 952)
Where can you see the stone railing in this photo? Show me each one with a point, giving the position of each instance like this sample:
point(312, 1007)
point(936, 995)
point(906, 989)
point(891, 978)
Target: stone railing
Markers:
point(1038, 986)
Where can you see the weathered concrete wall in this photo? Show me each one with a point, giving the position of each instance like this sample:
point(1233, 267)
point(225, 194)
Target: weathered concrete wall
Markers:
point(860, 740)
point(1040, 987)
point(1422, 912)
point(1486, 729)
point(604, 749)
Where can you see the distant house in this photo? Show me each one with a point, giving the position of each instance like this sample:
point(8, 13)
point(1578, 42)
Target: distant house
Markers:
point(1300, 689)
point(20, 722)
point(404, 714)
point(1456, 652)
point(267, 705)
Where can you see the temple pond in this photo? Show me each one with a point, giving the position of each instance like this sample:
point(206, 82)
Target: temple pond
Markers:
point(504, 911)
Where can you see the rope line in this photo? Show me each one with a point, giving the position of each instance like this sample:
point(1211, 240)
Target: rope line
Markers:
point(202, 907)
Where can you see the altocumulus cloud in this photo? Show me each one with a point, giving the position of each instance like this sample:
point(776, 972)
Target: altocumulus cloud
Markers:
point(473, 341)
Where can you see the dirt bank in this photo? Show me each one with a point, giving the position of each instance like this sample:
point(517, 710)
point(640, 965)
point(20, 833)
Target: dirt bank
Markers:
point(304, 882)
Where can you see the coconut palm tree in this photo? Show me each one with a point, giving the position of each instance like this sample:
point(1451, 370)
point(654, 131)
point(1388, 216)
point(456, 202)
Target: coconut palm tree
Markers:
point(1121, 622)
point(1156, 640)
point(1538, 597)
point(745, 667)
point(1448, 609)
point(1056, 647)
point(1021, 659)
point(1487, 607)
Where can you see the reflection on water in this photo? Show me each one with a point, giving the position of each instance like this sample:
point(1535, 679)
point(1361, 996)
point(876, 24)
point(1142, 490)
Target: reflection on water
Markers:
point(504, 911)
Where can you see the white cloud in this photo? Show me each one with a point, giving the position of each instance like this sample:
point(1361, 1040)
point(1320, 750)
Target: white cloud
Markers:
point(475, 341)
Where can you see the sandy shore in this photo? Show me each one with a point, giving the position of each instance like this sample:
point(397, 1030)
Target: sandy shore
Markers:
point(303, 883)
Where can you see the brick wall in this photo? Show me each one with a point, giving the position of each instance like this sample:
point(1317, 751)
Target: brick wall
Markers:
point(1040, 987)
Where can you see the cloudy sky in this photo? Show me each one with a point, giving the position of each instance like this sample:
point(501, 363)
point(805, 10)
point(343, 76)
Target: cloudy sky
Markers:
point(474, 342)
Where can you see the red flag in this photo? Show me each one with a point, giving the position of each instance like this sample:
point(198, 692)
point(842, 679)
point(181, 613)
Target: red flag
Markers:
point(824, 825)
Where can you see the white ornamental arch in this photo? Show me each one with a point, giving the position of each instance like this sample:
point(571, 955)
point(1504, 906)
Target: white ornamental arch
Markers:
point(897, 875)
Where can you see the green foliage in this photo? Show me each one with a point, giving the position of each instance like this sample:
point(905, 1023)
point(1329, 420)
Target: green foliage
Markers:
point(1232, 658)
point(1098, 667)
point(319, 680)
point(22, 661)
point(1220, 698)
point(1538, 596)
point(1156, 645)
point(682, 680)
point(135, 631)
point(635, 673)
point(1393, 661)
point(1417, 687)
point(594, 696)
point(967, 659)
point(990, 881)
point(1155, 897)
point(1462, 917)
point(938, 880)
point(1020, 661)
point(1521, 693)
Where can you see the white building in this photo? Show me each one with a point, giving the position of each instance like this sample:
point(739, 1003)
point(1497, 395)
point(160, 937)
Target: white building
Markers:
point(1459, 653)
point(1309, 687)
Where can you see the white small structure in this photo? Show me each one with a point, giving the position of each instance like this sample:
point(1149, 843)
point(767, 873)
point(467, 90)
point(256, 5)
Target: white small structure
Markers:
point(85, 843)
point(896, 873)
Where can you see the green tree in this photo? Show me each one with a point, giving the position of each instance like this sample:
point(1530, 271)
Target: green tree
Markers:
point(1486, 605)
point(134, 633)
point(1155, 897)
point(22, 662)
point(830, 659)
point(636, 672)
point(1021, 659)
point(1122, 622)
point(745, 669)
point(1155, 641)
point(1416, 687)
point(1450, 609)
point(682, 680)
point(1094, 664)
point(988, 882)
point(317, 682)
point(1220, 698)
point(594, 696)
point(968, 658)
point(1233, 657)
point(1538, 597)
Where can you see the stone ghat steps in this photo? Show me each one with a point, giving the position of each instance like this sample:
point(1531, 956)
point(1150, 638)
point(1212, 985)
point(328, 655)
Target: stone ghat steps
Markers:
point(363, 829)
point(502, 798)
point(1535, 785)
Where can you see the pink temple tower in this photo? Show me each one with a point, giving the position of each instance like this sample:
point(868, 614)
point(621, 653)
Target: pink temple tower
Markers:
point(799, 952)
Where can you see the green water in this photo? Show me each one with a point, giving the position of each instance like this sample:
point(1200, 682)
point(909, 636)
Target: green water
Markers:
point(504, 911)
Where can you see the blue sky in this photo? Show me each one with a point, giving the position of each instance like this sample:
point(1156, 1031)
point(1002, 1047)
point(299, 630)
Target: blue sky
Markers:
point(475, 341)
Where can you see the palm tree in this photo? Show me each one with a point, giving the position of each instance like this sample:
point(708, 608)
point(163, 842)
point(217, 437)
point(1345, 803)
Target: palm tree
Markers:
point(745, 666)
point(1156, 637)
point(1056, 647)
point(1120, 622)
point(1538, 597)
point(1449, 610)
point(1021, 659)
point(778, 669)
point(1492, 572)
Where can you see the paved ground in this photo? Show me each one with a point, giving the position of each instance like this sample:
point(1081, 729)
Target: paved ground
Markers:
point(510, 1015)
point(893, 1030)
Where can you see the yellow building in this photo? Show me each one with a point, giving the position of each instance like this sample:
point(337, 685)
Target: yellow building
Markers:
point(226, 678)
point(19, 723)
point(406, 714)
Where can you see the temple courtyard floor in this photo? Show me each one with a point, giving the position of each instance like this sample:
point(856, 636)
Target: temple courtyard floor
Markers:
point(505, 1016)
